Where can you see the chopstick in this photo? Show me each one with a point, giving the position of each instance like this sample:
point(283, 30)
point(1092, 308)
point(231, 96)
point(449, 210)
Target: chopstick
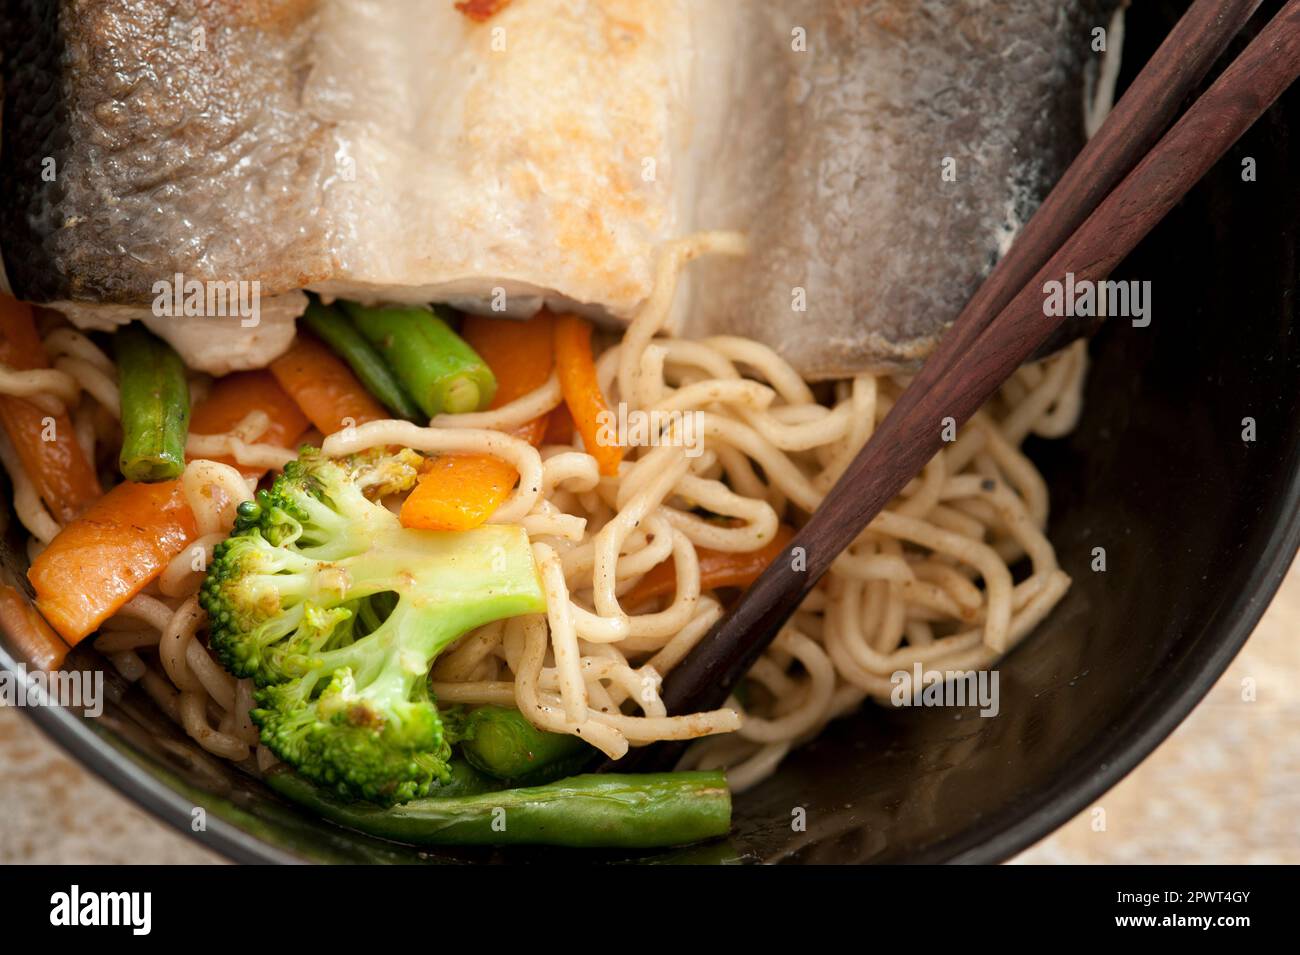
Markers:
point(1128, 133)
point(1004, 325)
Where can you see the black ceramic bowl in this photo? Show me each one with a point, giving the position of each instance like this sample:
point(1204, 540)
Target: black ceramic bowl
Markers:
point(1198, 526)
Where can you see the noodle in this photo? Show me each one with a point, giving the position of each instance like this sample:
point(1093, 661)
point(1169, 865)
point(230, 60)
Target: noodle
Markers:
point(27, 503)
point(929, 582)
point(49, 389)
point(936, 561)
point(100, 385)
point(519, 453)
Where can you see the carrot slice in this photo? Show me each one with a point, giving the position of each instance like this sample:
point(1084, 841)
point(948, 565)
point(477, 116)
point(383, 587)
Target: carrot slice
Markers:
point(521, 356)
point(559, 426)
point(46, 444)
point(127, 537)
point(234, 397)
point(108, 555)
point(20, 342)
point(57, 467)
point(717, 569)
point(582, 395)
point(38, 644)
point(458, 492)
point(481, 11)
point(324, 387)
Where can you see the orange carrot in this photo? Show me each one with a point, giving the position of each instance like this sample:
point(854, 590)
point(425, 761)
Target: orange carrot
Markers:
point(36, 642)
point(458, 492)
point(46, 444)
point(481, 11)
point(521, 356)
point(559, 426)
point(717, 569)
point(324, 387)
point(108, 555)
point(20, 342)
point(235, 397)
point(582, 395)
point(531, 431)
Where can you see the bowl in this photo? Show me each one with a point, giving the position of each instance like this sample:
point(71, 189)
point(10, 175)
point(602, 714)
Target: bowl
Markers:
point(1198, 526)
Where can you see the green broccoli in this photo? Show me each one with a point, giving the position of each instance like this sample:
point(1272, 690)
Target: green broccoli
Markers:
point(337, 612)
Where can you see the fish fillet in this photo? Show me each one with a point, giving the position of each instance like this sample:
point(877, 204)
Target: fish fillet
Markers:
point(395, 150)
point(882, 169)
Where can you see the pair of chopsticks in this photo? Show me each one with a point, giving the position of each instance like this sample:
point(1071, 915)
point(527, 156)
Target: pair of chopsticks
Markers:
point(1120, 186)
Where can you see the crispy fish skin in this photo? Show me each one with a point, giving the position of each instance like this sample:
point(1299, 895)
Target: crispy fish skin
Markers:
point(359, 148)
point(177, 142)
point(380, 150)
point(394, 150)
point(31, 123)
point(835, 156)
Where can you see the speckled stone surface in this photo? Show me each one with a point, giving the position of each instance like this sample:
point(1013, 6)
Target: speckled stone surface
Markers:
point(54, 811)
point(1224, 788)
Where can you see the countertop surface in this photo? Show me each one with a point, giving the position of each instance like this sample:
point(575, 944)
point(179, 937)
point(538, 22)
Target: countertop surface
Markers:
point(1224, 788)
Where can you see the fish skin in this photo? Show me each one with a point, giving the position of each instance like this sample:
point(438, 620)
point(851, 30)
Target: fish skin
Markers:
point(177, 143)
point(835, 162)
point(31, 125)
point(218, 163)
point(343, 148)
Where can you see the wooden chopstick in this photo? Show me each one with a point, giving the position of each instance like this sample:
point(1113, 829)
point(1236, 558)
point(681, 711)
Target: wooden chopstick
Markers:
point(1128, 133)
point(911, 434)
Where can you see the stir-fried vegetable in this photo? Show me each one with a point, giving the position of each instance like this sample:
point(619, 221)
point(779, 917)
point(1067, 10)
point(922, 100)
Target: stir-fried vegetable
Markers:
point(559, 426)
point(717, 569)
point(521, 356)
point(127, 537)
point(107, 556)
point(234, 397)
point(582, 394)
point(323, 386)
point(650, 811)
point(432, 362)
point(460, 491)
point(299, 598)
point(464, 780)
point(46, 444)
point(333, 327)
point(38, 644)
point(155, 405)
point(503, 744)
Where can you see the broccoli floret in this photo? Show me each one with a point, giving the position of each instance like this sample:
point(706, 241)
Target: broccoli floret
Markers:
point(337, 612)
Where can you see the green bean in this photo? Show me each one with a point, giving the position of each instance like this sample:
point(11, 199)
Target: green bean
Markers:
point(440, 371)
point(333, 328)
point(155, 397)
point(648, 811)
point(501, 743)
point(465, 781)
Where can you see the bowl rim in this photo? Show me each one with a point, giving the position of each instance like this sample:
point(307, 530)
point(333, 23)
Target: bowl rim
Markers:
point(1051, 811)
point(1244, 613)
